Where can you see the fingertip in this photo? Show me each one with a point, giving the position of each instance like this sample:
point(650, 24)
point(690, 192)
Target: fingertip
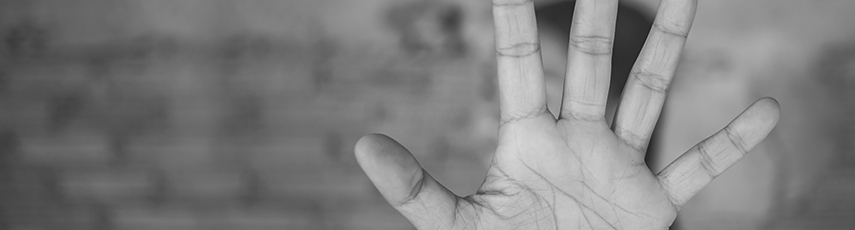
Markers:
point(367, 145)
point(769, 103)
point(390, 166)
point(380, 156)
point(756, 122)
point(769, 110)
point(376, 146)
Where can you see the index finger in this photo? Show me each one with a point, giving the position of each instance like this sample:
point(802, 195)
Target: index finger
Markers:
point(521, 86)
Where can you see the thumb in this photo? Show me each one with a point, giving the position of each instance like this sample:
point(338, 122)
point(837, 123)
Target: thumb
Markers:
point(404, 184)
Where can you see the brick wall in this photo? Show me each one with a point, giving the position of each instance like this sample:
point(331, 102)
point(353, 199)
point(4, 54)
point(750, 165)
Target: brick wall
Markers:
point(217, 114)
point(206, 115)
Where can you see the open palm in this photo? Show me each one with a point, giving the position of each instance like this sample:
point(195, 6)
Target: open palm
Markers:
point(574, 171)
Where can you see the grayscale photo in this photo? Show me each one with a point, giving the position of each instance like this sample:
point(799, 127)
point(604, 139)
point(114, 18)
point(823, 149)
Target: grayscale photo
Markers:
point(427, 114)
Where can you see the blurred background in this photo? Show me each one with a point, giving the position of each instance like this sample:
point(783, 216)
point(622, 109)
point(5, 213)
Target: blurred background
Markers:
point(225, 114)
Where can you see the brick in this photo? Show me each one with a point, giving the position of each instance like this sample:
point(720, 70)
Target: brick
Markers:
point(27, 115)
point(287, 77)
point(40, 77)
point(144, 218)
point(321, 185)
point(108, 186)
point(223, 217)
point(188, 19)
point(210, 186)
point(67, 150)
point(266, 17)
point(314, 116)
point(293, 151)
point(191, 115)
point(272, 218)
point(160, 75)
point(173, 152)
point(74, 217)
point(194, 84)
point(367, 217)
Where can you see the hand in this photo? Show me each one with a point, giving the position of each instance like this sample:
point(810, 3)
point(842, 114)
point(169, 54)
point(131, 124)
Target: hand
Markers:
point(573, 172)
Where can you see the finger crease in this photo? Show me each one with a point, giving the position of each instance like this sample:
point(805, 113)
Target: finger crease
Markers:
point(652, 81)
point(514, 4)
point(706, 160)
point(592, 45)
point(736, 140)
point(519, 50)
point(415, 191)
point(574, 106)
point(669, 28)
point(583, 116)
point(635, 141)
point(507, 119)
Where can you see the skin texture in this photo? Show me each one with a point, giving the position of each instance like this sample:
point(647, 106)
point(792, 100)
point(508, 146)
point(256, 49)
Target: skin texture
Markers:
point(575, 171)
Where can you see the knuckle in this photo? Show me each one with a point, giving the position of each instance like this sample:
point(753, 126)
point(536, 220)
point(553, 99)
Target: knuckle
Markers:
point(593, 45)
point(418, 181)
point(582, 110)
point(519, 49)
point(736, 140)
point(707, 162)
point(583, 116)
point(634, 139)
point(509, 117)
point(671, 28)
point(507, 3)
point(653, 81)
